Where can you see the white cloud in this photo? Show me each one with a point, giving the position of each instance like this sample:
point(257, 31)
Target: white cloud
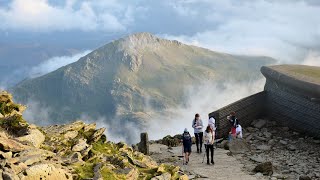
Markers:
point(40, 15)
point(202, 102)
point(312, 59)
point(45, 67)
point(286, 30)
point(55, 63)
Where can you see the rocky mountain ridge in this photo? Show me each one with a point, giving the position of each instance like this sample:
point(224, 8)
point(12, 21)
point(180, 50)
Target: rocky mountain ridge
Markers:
point(69, 151)
point(132, 79)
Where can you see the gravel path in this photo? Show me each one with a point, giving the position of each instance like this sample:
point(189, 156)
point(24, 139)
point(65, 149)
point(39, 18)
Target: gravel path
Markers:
point(225, 168)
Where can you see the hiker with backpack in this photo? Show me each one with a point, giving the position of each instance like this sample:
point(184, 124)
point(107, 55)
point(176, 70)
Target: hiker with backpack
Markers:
point(198, 132)
point(233, 123)
point(187, 143)
point(208, 143)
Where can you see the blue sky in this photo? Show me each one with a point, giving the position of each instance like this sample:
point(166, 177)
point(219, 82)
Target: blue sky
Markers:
point(34, 31)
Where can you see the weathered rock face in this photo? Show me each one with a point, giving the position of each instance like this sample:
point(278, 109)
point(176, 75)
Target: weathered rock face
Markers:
point(44, 171)
point(33, 137)
point(64, 152)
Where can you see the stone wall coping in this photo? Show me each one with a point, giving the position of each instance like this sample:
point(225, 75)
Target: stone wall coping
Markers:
point(302, 83)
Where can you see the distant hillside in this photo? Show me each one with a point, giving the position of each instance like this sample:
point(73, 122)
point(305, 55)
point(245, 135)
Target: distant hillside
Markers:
point(132, 78)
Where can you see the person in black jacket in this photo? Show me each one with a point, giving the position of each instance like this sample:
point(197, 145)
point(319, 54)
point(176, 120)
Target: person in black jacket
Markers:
point(187, 143)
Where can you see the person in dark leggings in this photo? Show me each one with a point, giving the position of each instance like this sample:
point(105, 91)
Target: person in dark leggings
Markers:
point(187, 143)
point(198, 132)
point(208, 143)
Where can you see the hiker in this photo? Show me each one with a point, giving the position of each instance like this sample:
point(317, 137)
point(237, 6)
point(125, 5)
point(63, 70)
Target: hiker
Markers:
point(212, 123)
point(208, 143)
point(239, 131)
point(198, 132)
point(233, 123)
point(187, 143)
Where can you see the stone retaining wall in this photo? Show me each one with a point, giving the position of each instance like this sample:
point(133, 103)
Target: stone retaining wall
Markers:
point(290, 109)
point(290, 101)
point(247, 109)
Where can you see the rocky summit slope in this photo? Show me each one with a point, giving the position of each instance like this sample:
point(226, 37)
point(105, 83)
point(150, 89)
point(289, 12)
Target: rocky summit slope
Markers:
point(71, 151)
point(132, 79)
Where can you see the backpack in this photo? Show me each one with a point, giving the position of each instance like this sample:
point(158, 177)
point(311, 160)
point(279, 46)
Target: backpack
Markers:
point(186, 138)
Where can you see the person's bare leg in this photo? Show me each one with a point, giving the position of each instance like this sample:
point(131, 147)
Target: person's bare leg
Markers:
point(186, 157)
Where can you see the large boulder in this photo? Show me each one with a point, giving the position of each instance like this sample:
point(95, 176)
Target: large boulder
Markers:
point(80, 145)
point(44, 171)
point(165, 176)
point(132, 174)
point(70, 135)
point(171, 141)
point(97, 135)
point(34, 137)
point(56, 130)
point(9, 174)
point(238, 146)
point(11, 145)
point(31, 156)
point(89, 127)
point(265, 168)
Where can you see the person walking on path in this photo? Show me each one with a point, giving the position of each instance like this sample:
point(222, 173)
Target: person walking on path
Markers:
point(208, 143)
point(187, 143)
point(198, 132)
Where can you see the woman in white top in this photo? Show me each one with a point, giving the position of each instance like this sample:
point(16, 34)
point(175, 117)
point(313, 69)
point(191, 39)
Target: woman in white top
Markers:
point(209, 141)
point(239, 131)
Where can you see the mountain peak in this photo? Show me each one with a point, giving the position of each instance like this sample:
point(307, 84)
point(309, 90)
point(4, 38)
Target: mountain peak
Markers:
point(146, 36)
point(140, 41)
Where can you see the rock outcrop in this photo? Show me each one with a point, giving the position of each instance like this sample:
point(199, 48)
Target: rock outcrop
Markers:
point(276, 151)
point(70, 151)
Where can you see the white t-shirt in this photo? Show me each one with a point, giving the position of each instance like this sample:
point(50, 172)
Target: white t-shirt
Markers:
point(239, 131)
point(208, 137)
point(212, 123)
